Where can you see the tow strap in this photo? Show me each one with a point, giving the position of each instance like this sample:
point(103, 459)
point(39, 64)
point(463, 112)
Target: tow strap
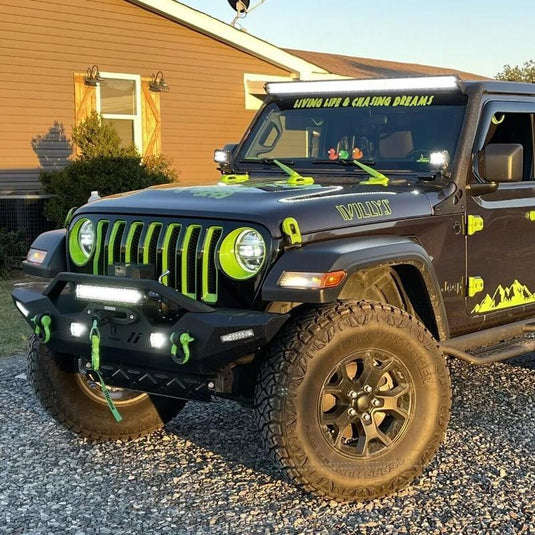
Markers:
point(94, 338)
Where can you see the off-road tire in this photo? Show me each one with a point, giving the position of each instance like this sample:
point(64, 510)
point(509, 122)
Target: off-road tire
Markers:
point(61, 391)
point(310, 357)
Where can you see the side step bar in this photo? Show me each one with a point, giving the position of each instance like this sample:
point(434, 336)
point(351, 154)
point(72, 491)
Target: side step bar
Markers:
point(493, 345)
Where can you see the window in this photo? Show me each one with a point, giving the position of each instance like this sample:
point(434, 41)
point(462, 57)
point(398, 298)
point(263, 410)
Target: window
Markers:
point(119, 102)
point(509, 128)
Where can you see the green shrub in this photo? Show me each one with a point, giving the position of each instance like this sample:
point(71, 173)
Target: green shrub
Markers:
point(102, 165)
point(12, 248)
point(72, 185)
point(96, 139)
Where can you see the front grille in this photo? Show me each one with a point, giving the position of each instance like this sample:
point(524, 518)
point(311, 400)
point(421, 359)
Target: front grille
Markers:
point(183, 255)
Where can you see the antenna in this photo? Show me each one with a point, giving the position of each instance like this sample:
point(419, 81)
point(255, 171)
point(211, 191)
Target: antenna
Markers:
point(242, 10)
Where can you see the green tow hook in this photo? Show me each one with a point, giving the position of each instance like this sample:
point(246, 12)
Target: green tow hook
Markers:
point(42, 323)
point(184, 340)
point(94, 337)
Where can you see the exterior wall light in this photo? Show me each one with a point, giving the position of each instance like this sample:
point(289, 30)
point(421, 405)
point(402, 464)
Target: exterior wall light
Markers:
point(158, 83)
point(92, 77)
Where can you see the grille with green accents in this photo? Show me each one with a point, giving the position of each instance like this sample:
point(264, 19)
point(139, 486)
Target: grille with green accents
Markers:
point(183, 255)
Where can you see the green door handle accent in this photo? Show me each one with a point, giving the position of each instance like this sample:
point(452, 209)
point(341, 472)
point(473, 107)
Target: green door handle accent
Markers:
point(475, 285)
point(475, 223)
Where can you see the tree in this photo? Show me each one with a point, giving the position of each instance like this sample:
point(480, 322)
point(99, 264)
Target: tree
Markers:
point(526, 73)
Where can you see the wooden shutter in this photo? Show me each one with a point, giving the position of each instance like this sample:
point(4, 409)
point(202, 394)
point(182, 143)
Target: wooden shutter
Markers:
point(85, 98)
point(150, 120)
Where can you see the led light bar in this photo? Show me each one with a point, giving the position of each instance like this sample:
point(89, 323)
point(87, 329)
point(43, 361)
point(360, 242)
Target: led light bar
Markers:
point(301, 280)
point(108, 294)
point(351, 86)
point(237, 335)
point(23, 310)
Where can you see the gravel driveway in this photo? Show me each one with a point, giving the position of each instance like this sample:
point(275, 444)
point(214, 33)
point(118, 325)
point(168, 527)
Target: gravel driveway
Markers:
point(206, 473)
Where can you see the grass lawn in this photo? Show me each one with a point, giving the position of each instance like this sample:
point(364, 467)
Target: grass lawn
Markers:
point(14, 331)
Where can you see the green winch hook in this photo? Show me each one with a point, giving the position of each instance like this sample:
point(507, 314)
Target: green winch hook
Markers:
point(94, 338)
point(42, 323)
point(184, 339)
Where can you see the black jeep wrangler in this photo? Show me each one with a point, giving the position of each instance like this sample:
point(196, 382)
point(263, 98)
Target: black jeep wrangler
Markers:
point(361, 232)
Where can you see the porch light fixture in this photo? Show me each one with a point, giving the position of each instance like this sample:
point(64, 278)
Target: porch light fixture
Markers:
point(92, 77)
point(158, 83)
point(350, 86)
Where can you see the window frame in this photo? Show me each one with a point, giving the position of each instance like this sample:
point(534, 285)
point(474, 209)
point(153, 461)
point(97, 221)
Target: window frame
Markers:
point(137, 119)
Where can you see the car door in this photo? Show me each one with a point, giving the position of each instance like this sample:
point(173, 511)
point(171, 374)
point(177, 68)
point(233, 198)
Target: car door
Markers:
point(500, 225)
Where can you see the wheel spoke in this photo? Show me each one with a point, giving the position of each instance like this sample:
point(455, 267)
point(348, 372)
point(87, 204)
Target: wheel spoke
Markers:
point(373, 373)
point(372, 432)
point(343, 386)
point(390, 401)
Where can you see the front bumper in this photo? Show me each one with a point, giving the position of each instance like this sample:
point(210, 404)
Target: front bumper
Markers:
point(220, 336)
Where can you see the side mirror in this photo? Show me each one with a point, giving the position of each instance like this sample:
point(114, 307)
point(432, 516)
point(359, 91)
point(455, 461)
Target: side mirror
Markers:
point(502, 162)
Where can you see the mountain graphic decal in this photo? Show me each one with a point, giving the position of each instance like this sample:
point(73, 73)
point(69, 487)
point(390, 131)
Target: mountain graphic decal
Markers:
point(512, 296)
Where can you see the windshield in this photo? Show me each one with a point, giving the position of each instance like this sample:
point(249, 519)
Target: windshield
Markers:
point(395, 132)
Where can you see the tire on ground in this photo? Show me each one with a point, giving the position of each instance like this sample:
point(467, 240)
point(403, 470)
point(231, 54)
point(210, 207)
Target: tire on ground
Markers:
point(353, 400)
point(64, 393)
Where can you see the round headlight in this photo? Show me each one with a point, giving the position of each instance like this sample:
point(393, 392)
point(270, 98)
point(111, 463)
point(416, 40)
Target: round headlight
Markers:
point(250, 250)
point(86, 238)
point(242, 253)
point(81, 241)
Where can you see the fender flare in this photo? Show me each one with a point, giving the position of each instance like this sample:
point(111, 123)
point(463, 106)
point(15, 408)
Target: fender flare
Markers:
point(352, 255)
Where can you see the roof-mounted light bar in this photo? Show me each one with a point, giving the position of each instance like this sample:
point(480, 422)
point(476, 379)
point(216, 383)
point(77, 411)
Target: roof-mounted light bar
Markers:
point(351, 86)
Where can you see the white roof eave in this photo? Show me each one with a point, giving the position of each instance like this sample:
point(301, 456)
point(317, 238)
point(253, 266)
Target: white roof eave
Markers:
point(221, 31)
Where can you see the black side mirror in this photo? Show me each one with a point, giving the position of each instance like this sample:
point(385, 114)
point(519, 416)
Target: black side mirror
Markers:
point(502, 162)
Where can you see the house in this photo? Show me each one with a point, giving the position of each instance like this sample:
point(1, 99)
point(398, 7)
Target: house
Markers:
point(60, 60)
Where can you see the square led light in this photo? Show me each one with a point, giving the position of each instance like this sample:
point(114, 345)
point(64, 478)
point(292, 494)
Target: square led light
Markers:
point(158, 340)
point(78, 329)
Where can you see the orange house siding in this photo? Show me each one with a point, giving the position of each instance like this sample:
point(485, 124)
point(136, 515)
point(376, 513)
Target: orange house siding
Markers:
point(43, 43)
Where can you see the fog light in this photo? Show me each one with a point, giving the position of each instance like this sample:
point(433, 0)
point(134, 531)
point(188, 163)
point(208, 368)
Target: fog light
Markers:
point(158, 340)
point(109, 294)
point(78, 329)
point(36, 256)
point(311, 281)
point(23, 310)
point(238, 335)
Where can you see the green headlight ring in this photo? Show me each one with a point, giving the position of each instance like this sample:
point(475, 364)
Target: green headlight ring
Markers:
point(228, 259)
point(77, 254)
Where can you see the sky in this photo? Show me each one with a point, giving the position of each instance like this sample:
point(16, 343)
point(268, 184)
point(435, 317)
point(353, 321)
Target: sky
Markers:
point(472, 35)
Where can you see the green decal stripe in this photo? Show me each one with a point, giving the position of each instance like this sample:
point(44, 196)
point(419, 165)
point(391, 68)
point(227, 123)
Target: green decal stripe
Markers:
point(117, 226)
point(99, 245)
point(148, 241)
point(165, 249)
point(184, 261)
point(129, 239)
point(213, 235)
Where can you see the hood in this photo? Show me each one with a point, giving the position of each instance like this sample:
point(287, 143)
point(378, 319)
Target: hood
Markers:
point(316, 207)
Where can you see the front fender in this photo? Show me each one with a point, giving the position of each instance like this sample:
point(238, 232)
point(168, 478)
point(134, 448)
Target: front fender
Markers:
point(53, 242)
point(352, 255)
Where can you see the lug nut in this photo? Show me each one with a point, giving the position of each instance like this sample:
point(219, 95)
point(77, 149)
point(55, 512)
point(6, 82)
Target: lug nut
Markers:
point(376, 403)
point(368, 389)
point(353, 394)
point(211, 385)
point(366, 417)
point(352, 412)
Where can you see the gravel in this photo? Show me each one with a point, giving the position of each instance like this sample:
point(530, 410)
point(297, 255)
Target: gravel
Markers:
point(206, 473)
